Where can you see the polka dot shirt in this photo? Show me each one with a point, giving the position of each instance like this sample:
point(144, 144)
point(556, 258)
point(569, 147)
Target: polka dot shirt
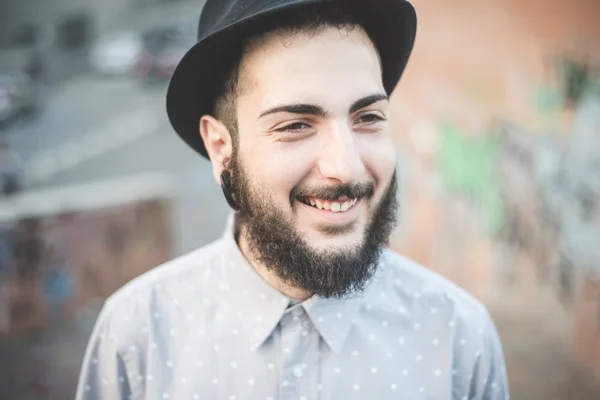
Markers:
point(206, 326)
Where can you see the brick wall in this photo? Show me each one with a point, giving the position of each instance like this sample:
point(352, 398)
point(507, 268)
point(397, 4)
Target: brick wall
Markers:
point(475, 62)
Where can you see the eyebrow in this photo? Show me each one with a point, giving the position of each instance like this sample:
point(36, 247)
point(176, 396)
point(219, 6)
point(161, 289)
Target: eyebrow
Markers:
point(313, 109)
point(367, 101)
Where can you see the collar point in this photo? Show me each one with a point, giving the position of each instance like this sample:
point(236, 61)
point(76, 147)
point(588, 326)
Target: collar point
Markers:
point(336, 347)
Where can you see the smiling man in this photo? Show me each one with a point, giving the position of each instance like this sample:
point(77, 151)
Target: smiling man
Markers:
point(299, 299)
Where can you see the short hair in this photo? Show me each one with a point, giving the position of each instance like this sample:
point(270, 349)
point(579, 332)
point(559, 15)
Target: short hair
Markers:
point(307, 20)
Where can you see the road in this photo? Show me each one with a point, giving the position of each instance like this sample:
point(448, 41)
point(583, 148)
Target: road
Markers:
point(94, 128)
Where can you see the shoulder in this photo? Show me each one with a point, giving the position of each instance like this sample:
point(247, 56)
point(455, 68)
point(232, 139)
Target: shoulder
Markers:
point(165, 276)
point(438, 307)
point(430, 295)
point(422, 281)
point(157, 290)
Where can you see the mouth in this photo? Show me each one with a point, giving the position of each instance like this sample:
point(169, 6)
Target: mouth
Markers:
point(336, 206)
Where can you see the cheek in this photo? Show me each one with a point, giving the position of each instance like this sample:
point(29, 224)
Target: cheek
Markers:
point(278, 172)
point(380, 157)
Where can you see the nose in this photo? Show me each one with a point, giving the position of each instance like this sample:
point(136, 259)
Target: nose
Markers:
point(339, 158)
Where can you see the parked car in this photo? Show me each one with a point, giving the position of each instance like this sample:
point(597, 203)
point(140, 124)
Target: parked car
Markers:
point(162, 50)
point(116, 54)
point(18, 95)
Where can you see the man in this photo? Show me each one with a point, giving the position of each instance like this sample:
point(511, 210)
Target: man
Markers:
point(299, 299)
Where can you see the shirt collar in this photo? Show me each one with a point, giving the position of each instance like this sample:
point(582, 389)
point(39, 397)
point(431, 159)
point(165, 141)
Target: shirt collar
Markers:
point(333, 319)
point(261, 307)
point(258, 305)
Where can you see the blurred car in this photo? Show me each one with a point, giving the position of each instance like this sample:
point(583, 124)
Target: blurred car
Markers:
point(18, 95)
point(116, 54)
point(26, 53)
point(163, 48)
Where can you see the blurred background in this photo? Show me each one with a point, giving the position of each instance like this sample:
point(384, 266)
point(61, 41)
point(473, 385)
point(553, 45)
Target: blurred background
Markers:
point(497, 121)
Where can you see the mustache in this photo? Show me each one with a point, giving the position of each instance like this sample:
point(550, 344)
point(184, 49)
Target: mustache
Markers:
point(331, 193)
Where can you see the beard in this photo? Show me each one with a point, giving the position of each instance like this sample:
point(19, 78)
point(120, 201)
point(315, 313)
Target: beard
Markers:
point(274, 241)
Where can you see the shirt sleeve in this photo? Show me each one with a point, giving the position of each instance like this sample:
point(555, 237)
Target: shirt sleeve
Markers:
point(489, 380)
point(103, 373)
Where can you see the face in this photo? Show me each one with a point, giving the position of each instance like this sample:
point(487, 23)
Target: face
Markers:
point(313, 166)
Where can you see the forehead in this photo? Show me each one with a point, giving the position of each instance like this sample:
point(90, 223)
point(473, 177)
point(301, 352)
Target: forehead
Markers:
point(305, 66)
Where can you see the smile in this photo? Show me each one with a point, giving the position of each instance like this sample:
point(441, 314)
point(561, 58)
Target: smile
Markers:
point(339, 206)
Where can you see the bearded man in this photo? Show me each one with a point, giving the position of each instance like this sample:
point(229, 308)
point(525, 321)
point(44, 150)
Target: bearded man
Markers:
point(300, 298)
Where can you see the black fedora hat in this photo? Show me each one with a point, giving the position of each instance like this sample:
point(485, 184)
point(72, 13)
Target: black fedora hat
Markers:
point(391, 25)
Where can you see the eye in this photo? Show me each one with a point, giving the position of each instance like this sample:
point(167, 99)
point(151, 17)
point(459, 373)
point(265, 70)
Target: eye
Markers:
point(369, 119)
point(294, 127)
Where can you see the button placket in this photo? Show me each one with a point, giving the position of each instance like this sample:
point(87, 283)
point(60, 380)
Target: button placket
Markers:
point(299, 358)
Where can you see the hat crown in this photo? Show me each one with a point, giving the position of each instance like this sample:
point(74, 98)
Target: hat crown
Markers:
point(218, 14)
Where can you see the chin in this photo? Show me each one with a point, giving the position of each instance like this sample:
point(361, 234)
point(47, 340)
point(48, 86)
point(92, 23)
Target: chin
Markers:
point(333, 237)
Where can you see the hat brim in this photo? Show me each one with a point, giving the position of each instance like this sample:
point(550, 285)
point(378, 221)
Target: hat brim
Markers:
point(391, 24)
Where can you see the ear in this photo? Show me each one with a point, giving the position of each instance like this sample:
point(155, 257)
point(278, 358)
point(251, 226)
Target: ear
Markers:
point(218, 143)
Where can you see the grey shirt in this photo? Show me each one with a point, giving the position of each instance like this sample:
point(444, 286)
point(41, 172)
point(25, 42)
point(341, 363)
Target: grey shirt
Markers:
point(206, 326)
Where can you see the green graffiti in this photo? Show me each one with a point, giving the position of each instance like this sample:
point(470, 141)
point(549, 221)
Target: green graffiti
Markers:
point(575, 81)
point(466, 167)
point(547, 100)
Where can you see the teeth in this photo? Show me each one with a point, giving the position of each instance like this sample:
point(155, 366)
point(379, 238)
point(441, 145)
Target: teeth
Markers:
point(333, 206)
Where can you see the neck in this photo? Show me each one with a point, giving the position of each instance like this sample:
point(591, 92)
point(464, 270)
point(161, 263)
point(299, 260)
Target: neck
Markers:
point(268, 275)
